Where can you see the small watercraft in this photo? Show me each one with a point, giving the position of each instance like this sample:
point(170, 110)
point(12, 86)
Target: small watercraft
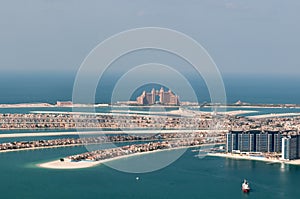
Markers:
point(245, 187)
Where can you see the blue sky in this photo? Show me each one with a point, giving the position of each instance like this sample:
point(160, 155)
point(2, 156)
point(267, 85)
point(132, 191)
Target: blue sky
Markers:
point(242, 36)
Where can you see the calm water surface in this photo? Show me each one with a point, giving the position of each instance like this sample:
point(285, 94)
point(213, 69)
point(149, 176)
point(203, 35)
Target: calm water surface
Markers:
point(188, 177)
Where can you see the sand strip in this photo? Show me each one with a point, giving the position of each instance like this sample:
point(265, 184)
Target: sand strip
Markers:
point(247, 157)
point(273, 115)
point(238, 112)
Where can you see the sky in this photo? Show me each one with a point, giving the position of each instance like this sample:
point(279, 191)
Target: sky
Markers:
point(259, 37)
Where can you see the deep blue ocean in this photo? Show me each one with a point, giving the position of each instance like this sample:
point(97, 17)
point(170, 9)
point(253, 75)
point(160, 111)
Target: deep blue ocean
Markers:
point(51, 87)
point(188, 177)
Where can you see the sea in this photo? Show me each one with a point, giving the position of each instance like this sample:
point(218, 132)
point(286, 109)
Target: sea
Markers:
point(190, 176)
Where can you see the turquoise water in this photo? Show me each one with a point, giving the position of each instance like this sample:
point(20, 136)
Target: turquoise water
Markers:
point(188, 177)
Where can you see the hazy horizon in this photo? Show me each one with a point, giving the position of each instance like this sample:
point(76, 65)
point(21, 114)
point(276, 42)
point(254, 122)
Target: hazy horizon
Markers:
point(242, 37)
point(52, 87)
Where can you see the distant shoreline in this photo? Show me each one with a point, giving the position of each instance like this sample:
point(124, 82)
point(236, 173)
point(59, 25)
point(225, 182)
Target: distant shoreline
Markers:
point(48, 105)
point(190, 104)
point(27, 105)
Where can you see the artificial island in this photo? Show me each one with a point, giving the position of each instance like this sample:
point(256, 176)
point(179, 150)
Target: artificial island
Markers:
point(245, 134)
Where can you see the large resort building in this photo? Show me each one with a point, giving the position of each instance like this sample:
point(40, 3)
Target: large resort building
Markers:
point(165, 97)
point(286, 143)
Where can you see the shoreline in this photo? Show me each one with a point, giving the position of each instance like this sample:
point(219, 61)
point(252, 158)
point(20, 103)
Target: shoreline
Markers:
point(41, 148)
point(251, 158)
point(271, 115)
point(238, 112)
point(68, 164)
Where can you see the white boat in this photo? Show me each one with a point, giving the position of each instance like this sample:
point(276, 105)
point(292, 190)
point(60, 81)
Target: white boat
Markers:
point(245, 187)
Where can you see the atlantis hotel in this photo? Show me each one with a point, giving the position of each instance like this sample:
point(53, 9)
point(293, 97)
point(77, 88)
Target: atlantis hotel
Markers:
point(287, 143)
point(165, 97)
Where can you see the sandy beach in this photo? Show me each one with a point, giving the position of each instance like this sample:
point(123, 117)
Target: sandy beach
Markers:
point(243, 157)
point(293, 162)
point(273, 115)
point(238, 112)
point(179, 112)
point(231, 113)
point(67, 164)
point(247, 157)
